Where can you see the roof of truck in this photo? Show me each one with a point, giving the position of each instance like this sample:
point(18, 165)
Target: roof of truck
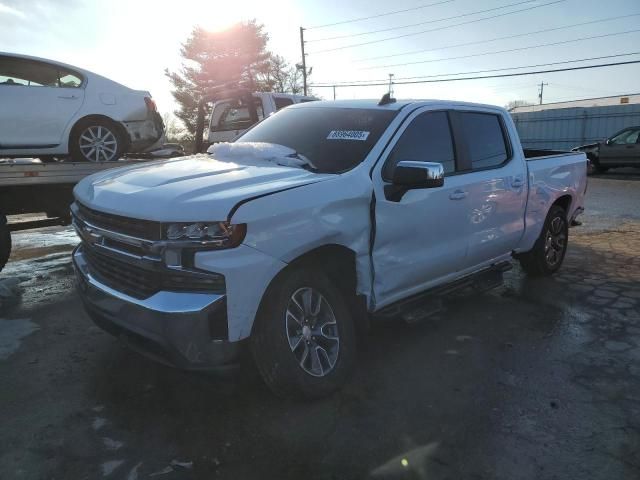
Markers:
point(397, 105)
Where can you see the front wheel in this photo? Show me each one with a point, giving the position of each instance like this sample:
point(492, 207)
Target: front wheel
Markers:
point(304, 341)
point(547, 254)
point(96, 140)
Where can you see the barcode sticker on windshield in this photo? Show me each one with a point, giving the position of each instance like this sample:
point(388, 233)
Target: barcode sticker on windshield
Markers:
point(348, 135)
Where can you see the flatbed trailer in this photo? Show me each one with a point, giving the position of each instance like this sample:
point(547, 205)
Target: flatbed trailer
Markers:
point(34, 187)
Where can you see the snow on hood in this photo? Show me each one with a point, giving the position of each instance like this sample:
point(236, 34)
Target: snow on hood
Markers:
point(255, 153)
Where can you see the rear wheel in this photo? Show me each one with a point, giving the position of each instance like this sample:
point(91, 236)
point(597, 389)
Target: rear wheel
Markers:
point(96, 140)
point(5, 243)
point(304, 341)
point(547, 254)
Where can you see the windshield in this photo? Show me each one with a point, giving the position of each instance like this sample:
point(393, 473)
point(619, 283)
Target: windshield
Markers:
point(333, 139)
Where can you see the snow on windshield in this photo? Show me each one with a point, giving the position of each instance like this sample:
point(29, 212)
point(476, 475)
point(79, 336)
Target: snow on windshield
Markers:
point(257, 151)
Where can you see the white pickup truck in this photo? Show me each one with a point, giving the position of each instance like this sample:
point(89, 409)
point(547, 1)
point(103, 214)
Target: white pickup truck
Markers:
point(318, 219)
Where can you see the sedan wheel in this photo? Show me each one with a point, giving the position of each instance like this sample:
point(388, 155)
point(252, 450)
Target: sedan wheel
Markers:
point(98, 143)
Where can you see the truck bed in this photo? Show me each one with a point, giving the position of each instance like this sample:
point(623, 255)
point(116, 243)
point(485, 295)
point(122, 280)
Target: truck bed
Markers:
point(535, 154)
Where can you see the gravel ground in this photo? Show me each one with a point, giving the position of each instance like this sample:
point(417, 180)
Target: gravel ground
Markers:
point(538, 379)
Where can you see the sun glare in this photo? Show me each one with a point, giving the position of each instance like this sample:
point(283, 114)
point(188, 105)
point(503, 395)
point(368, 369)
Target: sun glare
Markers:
point(215, 19)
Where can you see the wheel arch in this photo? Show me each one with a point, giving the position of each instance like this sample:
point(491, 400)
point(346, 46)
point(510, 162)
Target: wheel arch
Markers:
point(564, 201)
point(122, 131)
point(338, 262)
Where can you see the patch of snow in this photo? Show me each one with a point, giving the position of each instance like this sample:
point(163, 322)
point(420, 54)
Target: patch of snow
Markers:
point(112, 444)
point(133, 473)
point(11, 334)
point(164, 471)
point(110, 466)
point(176, 463)
point(255, 153)
point(98, 423)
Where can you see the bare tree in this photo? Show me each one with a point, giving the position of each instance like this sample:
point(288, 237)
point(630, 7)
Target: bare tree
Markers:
point(517, 103)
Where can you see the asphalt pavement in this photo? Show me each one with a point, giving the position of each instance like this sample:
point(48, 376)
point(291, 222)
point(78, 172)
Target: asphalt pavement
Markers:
point(538, 379)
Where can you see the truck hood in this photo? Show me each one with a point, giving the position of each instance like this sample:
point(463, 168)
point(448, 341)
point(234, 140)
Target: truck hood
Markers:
point(195, 188)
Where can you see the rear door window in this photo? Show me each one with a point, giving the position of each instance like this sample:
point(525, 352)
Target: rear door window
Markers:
point(31, 73)
point(486, 141)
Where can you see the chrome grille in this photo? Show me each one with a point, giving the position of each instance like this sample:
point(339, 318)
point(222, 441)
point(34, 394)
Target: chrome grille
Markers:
point(144, 229)
point(131, 264)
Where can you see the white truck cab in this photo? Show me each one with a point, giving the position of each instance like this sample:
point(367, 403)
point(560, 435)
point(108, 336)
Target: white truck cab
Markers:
point(231, 117)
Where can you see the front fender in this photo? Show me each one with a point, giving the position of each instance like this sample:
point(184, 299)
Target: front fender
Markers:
point(288, 224)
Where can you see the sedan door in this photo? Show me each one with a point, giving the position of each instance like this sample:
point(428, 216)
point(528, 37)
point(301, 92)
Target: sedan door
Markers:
point(421, 235)
point(621, 149)
point(38, 102)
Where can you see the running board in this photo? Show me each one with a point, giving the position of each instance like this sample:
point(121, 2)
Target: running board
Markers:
point(423, 305)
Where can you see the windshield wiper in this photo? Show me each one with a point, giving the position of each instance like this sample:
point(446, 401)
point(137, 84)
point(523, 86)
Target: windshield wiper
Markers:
point(307, 165)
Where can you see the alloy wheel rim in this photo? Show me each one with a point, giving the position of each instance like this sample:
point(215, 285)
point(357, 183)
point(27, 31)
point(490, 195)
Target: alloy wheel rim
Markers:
point(555, 242)
point(98, 144)
point(312, 331)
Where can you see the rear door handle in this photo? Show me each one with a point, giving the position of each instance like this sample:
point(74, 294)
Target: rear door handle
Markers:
point(458, 195)
point(68, 97)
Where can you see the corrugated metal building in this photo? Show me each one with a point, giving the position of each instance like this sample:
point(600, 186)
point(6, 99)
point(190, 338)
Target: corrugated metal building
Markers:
point(565, 128)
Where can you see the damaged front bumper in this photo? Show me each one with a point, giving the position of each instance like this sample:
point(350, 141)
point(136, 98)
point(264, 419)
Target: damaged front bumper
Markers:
point(174, 328)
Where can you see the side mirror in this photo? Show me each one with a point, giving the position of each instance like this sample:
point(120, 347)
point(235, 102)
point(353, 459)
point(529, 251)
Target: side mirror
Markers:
point(411, 174)
point(607, 141)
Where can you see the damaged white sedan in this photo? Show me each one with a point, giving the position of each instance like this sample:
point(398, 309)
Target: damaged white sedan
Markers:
point(317, 220)
point(50, 109)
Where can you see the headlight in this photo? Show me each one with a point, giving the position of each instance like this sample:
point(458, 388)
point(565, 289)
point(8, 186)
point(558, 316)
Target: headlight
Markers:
point(216, 234)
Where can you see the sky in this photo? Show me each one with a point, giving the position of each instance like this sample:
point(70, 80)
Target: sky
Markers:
point(134, 41)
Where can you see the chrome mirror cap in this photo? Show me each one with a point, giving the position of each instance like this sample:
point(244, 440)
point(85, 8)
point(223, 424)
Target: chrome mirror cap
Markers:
point(415, 174)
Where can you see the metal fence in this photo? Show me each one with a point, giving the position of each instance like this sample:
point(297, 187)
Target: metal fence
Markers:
point(565, 128)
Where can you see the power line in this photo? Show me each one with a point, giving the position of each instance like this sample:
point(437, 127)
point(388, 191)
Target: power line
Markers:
point(435, 29)
point(490, 76)
point(419, 23)
point(564, 42)
point(379, 15)
point(477, 42)
point(473, 72)
point(578, 60)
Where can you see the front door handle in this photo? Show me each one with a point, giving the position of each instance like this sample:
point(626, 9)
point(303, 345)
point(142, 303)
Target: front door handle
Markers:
point(631, 146)
point(517, 182)
point(68, 97)
point(458, 195)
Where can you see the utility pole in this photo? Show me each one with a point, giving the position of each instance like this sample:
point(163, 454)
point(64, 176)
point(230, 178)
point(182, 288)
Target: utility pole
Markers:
point(542, 84)
point(304, 62)
point(391, 85)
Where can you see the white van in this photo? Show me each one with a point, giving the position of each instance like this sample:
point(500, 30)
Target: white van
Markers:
point(231, 117)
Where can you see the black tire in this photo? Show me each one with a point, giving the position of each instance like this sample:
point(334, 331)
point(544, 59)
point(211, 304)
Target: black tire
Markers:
point(109, 152)
point(5, 243)
point(538, 261)
point(271, 348)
